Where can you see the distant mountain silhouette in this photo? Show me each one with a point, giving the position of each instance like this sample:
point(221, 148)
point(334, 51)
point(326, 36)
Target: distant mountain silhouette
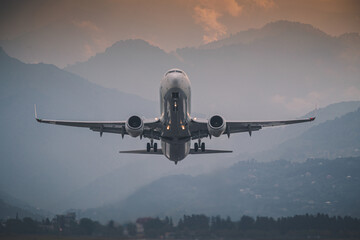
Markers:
point(331, 139)
point(10, 207)
point(8, 211)
point(275, 189)
point(42, 164)
point(279, 71)
point(133, 65)
point(270, 138)
point(278, 29)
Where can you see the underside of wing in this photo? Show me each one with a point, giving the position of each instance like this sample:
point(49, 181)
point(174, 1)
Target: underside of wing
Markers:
point(143, 151)
point(98, 126)
point(159, 151)
point(199, 128)
point(267, 123)
point(151, 127)
point(236, 127)
point(208, 151)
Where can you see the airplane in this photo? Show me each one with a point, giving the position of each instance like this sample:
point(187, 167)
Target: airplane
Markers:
point(175, 128)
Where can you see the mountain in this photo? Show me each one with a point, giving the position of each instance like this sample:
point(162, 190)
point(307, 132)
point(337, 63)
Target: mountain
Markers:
point(10, 207)
point(331, 139)
point(291, 68)
point(128, 65)
point(279, 188)
point(279, 71)
point(269, 138)
point(43, 164)
point(9, 211)
point(278, 29)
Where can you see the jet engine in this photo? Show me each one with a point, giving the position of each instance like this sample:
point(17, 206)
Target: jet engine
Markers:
point(134, 126)
point(216, 125)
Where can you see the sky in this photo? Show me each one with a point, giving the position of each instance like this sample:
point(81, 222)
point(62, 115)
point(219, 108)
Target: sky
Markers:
point(170, 24)
point(65, 32)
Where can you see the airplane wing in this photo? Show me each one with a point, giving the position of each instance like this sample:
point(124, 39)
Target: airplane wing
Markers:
point(199, 127)
point(159, 151)
point(150, 126)
point(208, 151)
point(143, 151)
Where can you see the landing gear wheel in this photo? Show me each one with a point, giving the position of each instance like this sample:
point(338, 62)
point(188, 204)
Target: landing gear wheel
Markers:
point(155, 147)
point(196, 147)
point(148, 147)
point(203, 147)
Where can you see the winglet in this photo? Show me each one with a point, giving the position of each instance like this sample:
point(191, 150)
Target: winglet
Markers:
point(312, 118)
point(36, 117)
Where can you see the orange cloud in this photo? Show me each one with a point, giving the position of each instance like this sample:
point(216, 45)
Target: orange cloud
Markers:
point(96, 41)
point(264, 3)
point(207, 14)
point(208, 19)
point(87, 25)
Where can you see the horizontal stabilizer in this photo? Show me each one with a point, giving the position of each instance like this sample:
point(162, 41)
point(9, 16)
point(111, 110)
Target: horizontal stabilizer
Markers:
point(143, 151)
point(207, 151)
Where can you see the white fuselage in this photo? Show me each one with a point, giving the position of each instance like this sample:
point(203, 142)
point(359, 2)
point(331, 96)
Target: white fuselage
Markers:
point(175, 98)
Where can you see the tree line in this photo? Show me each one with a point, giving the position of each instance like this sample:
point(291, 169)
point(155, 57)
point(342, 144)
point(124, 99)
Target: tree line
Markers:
point(197, 226)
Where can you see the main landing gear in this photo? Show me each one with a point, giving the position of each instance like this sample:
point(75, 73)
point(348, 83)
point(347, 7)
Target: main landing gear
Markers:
point(151, 145)
point(199, 144)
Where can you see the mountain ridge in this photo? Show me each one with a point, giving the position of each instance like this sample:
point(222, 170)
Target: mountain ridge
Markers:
point(277, 189)
point(332, 139)
point(10, 207)
point(284, 74)
point(36, 152)
point(275, 28)
point(124, 64)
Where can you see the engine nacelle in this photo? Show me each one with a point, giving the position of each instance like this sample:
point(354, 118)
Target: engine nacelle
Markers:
point(134, 126)
point(216, 125)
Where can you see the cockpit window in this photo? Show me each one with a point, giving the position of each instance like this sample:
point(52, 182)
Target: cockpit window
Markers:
point(169, 72)
point(172, 71)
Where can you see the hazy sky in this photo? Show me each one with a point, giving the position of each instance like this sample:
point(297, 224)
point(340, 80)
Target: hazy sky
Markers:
point(171, 24)
point(65, 32)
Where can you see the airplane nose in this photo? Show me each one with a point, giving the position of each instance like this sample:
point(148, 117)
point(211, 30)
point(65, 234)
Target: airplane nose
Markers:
point(175, 82)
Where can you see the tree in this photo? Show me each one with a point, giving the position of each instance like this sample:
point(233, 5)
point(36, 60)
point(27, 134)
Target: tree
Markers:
point(246, 223)
point(131, 229)
point(86, 226)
